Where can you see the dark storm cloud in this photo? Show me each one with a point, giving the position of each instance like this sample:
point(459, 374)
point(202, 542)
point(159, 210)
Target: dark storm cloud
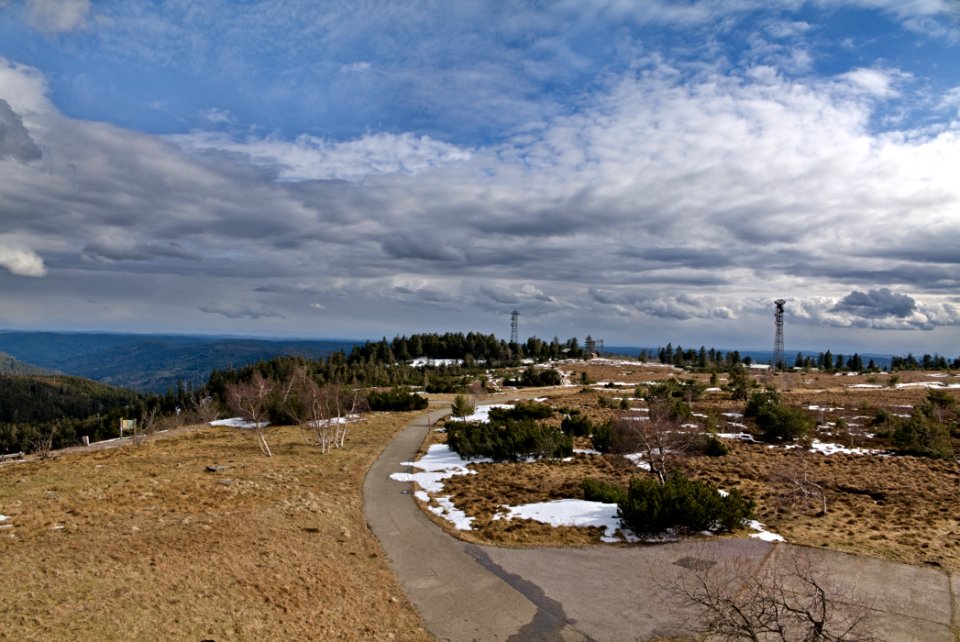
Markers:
point(875, 304)
point(15, 141)
point(404, 246)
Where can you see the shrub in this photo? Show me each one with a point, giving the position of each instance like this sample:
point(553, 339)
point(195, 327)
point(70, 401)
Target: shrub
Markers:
point(776, 421)
point(507, 440)
point(682, 504)
point(522, 410)
point(761, 400)
point(601, 436)
point(576, 425)
point(924, 438)
point(714, 447)
point(396, 399)
point(598, 491)
point(536, 378)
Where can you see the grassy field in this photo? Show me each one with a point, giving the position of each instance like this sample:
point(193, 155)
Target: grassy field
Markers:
point(894, 507)
point(144, 543)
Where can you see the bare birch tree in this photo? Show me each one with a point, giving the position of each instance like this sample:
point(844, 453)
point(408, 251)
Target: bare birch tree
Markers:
point(787, 599)
point(250, 400)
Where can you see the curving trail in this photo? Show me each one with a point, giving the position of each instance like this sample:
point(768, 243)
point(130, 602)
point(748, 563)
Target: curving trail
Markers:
point(468, 592)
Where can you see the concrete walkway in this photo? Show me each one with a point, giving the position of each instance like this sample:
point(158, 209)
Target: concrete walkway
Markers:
point(466, 592)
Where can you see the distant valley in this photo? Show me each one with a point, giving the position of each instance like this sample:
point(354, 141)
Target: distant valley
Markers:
point(146, 363)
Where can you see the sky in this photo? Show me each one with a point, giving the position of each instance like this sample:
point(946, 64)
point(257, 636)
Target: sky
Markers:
point(641, 171)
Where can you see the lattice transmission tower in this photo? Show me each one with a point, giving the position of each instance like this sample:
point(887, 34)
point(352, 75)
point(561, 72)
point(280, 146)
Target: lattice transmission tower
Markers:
point(778, 357)
point(513, 326)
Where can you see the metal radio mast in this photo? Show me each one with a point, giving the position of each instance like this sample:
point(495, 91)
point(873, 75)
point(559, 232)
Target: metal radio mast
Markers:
point(778, 358)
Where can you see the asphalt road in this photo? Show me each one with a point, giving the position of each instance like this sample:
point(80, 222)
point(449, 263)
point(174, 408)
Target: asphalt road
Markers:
point(466, 592)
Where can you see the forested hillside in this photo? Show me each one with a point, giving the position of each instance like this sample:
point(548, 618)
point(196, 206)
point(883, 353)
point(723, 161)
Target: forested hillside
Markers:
point(33, 407)
point(151, 363)
point(11, 366)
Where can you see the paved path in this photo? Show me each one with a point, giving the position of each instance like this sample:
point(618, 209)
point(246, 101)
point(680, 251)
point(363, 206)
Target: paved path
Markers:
point(466, 592)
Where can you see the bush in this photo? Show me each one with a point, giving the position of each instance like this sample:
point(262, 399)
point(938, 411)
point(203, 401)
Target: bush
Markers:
point(396, 399)
point(682, 504)
point(602, 436)
point(783, 423)
point(924, 438)
point(576, 425)
point(507, 440)
point(536, 378)
point(522, 410)
point(598, 491)
point(714, 447)
point(776, 421)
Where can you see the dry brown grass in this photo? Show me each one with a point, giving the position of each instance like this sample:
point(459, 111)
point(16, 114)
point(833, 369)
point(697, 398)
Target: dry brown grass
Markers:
point(901, 508)
point(144, 543)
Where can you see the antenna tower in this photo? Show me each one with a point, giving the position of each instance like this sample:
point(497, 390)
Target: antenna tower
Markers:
point(513, 326)
point(778, 358)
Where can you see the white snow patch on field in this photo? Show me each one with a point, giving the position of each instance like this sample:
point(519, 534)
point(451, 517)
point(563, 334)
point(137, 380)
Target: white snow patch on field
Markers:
point(571, 512)
point(762, 532)
point(833, 449)
point(481, 414)
point(438, 464)
point(239, 422)
point(638, 461)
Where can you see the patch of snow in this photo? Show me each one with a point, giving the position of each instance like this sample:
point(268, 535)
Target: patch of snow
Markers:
point(638, 461)
point(444, 507)
point(587, 451)
point(420, 362)
point(4, 518)
point(762, 532)
point(437, 464)
point(713, 390)
point(865, 385)
point(348, 419)
point(832, 449)
point(571, 512)
point(722, 492)
point(481, 414)
point(239, 422)
point(742, 436)
point(823, 408)
point(732, 415)
point(699, 414)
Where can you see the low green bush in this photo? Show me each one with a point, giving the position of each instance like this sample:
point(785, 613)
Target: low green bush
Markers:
point(522, 410)
point(507, 440)
point(576, 425)
point(598, 491)
point(681, 504)
point(715, 447)
point(396, 399)
point(923, 437)
point(602, 437)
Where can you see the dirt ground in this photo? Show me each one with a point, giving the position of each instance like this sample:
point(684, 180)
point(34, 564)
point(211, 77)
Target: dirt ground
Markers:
point(145, 543)
point(893, 507)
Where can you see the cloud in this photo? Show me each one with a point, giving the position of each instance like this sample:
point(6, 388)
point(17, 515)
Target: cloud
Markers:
point(404, 246)
point(216, 116)
point(57, 16)
point(312, 158)
point(15, 141)
point(356, 67)
point(878, 83)
point(241, 311)
point(877, 304)
point(21, 261)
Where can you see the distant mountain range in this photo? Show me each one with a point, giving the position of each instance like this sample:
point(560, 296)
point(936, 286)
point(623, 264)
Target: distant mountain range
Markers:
point(147, 363)
point(11, 366)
